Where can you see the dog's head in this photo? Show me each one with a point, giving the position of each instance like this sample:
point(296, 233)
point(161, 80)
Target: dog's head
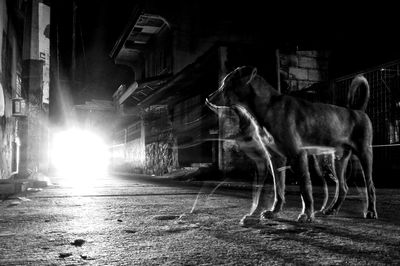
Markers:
point(235, 88)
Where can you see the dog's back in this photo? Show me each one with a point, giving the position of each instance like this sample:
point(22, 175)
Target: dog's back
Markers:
point(296, 123)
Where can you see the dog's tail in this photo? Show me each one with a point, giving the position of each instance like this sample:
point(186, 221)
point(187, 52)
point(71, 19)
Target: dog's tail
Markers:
point(359, 87)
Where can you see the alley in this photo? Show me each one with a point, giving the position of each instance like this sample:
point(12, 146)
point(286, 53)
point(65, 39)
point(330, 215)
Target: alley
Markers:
point(143, 220)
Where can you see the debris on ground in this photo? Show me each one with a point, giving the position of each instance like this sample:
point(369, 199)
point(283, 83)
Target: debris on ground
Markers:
point(6, 234)
point(86, 257)
point(14, 203)
point(166, 217)
point(33, 189)
point(78, 242)
point(23, 199)
point(65, 254)
point(183, 218)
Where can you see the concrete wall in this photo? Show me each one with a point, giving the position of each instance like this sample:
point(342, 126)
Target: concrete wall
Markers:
point(301, 69)
point(34, 129)
point(129, 156)
point(3, 24)
point(161, 155)
point(8, 138)
point(155, 155)
point(8, 133)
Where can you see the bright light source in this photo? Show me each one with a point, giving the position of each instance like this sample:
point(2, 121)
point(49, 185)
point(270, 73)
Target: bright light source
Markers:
point(79, 155)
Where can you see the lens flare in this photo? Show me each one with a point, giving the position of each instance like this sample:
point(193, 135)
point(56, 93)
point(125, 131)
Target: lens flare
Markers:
point(79, 155)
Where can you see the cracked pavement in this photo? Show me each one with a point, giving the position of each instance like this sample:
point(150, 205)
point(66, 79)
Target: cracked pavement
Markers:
point(141, 220)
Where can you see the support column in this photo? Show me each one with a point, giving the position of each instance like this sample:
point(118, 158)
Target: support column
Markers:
point(34, 127)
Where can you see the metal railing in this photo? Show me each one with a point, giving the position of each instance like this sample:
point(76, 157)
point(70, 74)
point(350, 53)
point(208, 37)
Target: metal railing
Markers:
point(383, 109)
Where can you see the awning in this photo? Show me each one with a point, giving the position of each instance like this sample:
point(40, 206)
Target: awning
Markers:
point(138, 91)
point(137, 35)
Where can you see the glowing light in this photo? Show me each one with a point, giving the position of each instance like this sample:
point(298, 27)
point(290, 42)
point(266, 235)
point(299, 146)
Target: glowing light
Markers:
point(79, 155)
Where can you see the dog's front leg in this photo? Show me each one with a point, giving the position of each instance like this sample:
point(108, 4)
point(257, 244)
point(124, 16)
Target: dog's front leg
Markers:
point(279, 187)
point(258, 196)
point(301, 167)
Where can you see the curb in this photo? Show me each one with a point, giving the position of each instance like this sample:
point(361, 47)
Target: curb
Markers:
point(10, 187)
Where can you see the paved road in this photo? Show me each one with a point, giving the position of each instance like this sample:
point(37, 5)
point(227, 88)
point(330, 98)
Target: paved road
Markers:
point(135, 221)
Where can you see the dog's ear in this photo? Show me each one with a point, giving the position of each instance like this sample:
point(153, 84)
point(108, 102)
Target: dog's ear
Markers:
point(252, 76)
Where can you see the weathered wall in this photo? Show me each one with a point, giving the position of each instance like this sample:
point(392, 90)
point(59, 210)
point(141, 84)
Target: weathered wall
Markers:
point(135, 153)
point(161, 154)
point(8, 138)
point(128, 154)
point(34, 129)
point(301, 69)
point(8, 62)
point(161, 157)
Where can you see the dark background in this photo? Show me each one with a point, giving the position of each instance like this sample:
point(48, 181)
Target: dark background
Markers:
point(359, 36)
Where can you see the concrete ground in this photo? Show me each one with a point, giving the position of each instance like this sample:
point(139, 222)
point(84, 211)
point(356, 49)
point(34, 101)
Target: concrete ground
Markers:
point(137, 221)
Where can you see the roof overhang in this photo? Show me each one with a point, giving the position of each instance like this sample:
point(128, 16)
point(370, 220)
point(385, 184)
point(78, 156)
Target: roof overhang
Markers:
point(139, 91)
point(137, 36)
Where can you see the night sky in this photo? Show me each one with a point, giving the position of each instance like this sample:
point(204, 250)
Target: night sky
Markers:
point(98, 26)
point(359, 36)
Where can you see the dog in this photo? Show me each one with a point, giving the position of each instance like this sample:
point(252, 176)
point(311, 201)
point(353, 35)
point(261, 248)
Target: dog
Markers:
point(256, 143)
point(297, 126)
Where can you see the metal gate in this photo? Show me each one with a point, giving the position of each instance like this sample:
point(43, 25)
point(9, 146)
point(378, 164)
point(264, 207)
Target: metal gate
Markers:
point(384, 112)
point(383, 109)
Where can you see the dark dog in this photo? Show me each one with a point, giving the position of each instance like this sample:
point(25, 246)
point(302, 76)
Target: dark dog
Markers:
point(298, 126)
point(258, 145)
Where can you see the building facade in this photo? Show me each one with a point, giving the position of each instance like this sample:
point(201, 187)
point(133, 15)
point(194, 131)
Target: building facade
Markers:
point(24, 87)
point(178, 56)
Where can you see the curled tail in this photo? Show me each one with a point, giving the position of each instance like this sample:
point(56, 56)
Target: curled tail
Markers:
point(358, 84)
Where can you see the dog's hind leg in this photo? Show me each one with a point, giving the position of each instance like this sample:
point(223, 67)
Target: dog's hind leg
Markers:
point(340, 193)
point(365, 158)
point(335, 164)
point(301, 167)
point(316, 165)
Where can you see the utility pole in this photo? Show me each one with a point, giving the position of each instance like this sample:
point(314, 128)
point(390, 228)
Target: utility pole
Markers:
point(73, 66)
point(35, 79)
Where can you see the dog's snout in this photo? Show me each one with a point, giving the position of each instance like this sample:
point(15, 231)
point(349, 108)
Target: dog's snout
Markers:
point(216, 98)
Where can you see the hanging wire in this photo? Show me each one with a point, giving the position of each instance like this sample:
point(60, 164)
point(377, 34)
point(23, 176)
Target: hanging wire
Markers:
point(83, 45)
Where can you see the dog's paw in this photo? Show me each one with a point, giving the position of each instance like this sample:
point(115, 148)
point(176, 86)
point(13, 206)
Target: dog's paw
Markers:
point(371, 215)
point(330, 211)
point(320, 213)
point(304, 218)
point(249, 220)
point(269, 215)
